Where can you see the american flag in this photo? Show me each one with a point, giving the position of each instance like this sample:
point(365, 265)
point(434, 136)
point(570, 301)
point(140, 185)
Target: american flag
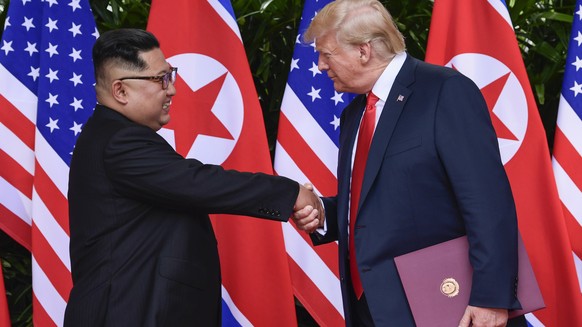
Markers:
point(46, 95)
point(567, 153)
point(307, 150)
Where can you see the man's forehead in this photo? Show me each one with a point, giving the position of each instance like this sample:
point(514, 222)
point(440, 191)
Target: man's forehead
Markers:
point(325, 42)
point(155, 59)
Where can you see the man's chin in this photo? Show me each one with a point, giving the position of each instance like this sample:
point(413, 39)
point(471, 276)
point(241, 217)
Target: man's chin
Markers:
point(163, 123)
point(338, 88)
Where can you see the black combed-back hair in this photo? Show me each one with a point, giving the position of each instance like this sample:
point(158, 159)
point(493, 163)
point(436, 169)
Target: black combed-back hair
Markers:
point(122, 47)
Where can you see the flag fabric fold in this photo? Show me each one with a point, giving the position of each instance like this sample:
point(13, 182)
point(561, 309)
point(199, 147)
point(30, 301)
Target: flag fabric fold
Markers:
point(46, 95)
point(567, 151)
point(477, 39)
point(307, 150)
point(217, 119)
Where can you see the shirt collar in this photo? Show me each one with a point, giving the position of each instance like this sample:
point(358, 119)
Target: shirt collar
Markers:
point(384, 84)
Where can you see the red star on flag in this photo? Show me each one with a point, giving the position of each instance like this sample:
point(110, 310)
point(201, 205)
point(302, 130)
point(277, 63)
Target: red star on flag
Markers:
point(195, 116)
point(491, 93)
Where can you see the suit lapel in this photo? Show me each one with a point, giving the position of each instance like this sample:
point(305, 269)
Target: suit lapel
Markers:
point(391, 112)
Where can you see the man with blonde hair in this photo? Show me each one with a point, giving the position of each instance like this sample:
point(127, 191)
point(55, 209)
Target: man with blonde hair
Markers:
point(418, 165)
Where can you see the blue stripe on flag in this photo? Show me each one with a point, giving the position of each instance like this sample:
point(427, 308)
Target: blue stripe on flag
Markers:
point(228, 319)
point(228, 6)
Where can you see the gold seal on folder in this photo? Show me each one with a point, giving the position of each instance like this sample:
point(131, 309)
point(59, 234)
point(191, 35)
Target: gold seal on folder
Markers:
point(450, 287)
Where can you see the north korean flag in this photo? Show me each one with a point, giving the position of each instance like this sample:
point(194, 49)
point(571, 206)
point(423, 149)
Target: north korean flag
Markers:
point(476, 37)
point(217, 119)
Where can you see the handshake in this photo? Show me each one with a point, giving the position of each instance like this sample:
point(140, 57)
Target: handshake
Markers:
point(308, 212)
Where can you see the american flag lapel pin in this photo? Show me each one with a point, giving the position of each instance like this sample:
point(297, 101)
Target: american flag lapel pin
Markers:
point(400, 98)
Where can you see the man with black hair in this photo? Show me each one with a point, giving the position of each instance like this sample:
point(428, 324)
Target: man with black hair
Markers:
point(143, 252)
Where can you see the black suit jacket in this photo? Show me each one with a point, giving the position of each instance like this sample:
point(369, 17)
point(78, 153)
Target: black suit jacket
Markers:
point(143, 252)
point(433, 173)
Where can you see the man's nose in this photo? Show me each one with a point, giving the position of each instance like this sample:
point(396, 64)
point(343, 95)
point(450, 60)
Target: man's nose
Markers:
point(322, 65)
point(171, 90)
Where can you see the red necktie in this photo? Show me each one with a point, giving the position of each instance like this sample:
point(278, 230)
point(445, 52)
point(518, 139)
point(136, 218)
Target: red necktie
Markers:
point(364, 139)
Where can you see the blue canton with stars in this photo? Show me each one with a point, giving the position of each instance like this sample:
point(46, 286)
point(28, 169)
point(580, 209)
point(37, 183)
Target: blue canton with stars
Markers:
point(313, 87)
point(46, 44)
point(572, 86)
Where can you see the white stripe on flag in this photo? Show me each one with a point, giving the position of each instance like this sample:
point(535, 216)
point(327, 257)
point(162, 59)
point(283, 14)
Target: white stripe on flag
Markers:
point(17, 94)
point(286, 166)
point(532, 320)
point(226, 16)
point(51, 230)
point(15, 148)
point(570, 124)
point(308, 260)
point(309, 129)
point(240, 318)
point(502, 10)
point(47, 295)
point(52, 163)
point(569, 193)
point(15, 201)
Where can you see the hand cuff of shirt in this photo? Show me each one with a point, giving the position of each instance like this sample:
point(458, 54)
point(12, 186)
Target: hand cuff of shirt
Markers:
point(322, 230)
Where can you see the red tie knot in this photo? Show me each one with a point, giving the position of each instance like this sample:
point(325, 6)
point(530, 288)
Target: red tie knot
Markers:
point(371, 101)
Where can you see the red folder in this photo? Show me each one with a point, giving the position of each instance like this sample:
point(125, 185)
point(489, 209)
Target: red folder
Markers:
point(437, 283)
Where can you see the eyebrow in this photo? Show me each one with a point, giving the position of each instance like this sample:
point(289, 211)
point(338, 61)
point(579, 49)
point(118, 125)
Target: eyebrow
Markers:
point(165, 70)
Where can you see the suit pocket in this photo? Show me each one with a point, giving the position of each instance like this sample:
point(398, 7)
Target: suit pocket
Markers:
point(184, 272)
point(401, 145)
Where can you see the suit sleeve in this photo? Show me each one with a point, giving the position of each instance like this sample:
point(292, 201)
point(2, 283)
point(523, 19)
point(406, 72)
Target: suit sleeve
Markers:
point(330, 205)
point(468, 148)
point(142, 165)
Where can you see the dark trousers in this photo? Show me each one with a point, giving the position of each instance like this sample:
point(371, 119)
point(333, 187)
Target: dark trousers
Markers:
point(360, 313)
point(517, 322)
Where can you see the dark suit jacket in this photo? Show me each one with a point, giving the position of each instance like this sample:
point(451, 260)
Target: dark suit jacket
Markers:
point(433, 173)
point(143, 252)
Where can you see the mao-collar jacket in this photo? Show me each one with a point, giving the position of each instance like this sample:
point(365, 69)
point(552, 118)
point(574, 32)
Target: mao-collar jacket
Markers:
point(143, 251)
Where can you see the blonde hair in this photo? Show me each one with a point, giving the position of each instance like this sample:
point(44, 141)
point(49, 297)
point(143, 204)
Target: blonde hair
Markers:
point(357, 22)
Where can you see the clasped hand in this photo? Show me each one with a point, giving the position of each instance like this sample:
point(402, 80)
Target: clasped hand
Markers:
point(308, 210)
point(484, 317)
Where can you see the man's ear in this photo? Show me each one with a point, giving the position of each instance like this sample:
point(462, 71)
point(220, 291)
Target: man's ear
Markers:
point(119, 91)
point(365, 51)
